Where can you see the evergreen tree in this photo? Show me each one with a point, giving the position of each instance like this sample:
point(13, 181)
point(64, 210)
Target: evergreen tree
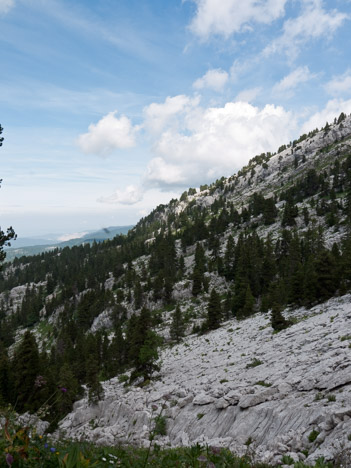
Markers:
point(25, 371)
point(278, 321)
point(5, 378)
point(68, 388)
point(95, 390)
point(248, 307)
point(214, 311)
point(177, 328)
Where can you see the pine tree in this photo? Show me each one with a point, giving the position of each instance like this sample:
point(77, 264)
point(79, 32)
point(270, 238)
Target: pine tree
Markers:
point(248, 307)
point(214, 311)
point(25, 371)
point(95, 390)
point(68, 388)
point(278, 321)
point(177, 328)
point(5, 378)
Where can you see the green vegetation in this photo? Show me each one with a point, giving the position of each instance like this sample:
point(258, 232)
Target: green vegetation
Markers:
point(313, 436)
point(21, 447)
point(254, 363)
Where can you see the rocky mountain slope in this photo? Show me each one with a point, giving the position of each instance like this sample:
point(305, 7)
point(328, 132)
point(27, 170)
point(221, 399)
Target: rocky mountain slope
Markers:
point(241, 386)
point(210, 274)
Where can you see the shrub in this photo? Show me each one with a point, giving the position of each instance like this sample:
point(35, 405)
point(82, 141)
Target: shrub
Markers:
point(313, 436)
point(254, 363)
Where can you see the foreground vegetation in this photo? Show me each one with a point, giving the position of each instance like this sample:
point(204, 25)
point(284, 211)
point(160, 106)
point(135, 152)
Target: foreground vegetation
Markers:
point(22, 447)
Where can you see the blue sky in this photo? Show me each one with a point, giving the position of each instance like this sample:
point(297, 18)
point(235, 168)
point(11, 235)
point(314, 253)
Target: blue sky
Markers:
point(110, 107)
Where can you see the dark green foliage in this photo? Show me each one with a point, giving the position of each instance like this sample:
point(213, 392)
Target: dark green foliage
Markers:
point(199, 270)
point(142, 345)
point(25, 371)
point(95, 390)
point(278, 321)
point(214, 311)
point(5, 378)
point(177, 328)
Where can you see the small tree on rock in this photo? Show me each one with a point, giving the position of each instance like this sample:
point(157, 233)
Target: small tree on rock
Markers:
point(177, 326)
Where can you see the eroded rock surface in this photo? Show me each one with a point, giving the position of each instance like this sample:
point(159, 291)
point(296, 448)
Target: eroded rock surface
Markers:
point(238, 384)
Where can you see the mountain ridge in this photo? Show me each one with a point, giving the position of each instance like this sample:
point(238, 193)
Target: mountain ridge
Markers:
point(248, 251)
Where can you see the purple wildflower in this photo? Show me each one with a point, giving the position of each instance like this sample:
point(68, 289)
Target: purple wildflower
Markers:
point(9, 459)
point(52, 449)
point(63, 389)
point(202, 458)
point(46, 445)
point(154, 407)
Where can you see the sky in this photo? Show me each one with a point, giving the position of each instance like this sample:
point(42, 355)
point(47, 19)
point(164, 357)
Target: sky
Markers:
point(111, 107)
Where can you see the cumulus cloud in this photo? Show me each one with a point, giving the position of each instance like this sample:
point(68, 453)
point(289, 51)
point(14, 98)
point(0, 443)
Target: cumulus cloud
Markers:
point(339, 84)
point(108, 134)
point(313, 23)
point(6, 5)
point(129, 196)
point(158, 116)
point(216, 141)
point(291, 81)
point(214, 79)
point(231, 16)
point(331, 110)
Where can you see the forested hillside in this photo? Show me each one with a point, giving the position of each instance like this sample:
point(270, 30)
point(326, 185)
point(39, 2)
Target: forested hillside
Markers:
point(275, 234)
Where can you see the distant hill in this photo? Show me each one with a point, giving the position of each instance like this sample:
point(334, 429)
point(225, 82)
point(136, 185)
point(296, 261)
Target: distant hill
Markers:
point(36, 245)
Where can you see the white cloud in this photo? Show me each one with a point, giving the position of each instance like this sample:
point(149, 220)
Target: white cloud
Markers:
point(226, 17)
point(213, 79)
point(332, 109)
point(6, 5)
point(291, 81)
point(129, 196)
point(248, 95)
point(339, 84)
point(216, 141)
point(313, 23)
point(158, 116)
point(108, 134)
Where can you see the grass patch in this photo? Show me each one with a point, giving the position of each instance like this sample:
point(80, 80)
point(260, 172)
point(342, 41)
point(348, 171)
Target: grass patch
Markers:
point(254, 363)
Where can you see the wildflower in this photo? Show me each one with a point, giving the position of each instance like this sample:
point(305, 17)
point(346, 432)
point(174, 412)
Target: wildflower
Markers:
point(46, 445)
point(9, 459)
point(39, 381)
point(52, 449)
point(216, 450)
point(57, 453)
point(103, 459)
point(63, 389)
point(154, 407)
point(40, 437)
point(167, 397)
point(202, 458)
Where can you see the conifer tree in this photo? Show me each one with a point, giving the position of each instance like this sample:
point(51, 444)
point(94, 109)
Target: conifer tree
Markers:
point(5, 378)
point(95, 390)
point(25, 371)
point(248, 306)
point(278, 321)
point(177, 328)
point(214, 311)
point(68, 388)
